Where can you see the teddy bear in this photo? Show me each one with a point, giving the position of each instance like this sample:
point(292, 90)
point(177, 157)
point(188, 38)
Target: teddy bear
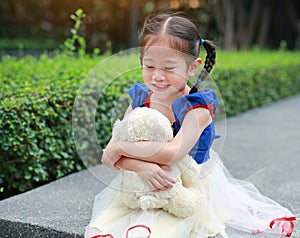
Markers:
point(184, 198)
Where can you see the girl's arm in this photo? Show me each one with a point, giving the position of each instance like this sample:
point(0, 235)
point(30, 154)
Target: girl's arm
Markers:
point(152, 174)
point(171, 152)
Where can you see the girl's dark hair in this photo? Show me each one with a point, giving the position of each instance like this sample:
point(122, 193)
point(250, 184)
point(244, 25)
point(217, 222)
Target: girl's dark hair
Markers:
point(183, 36)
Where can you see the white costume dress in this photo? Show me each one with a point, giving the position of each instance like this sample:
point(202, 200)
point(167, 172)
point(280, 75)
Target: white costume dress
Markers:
point(227, 202)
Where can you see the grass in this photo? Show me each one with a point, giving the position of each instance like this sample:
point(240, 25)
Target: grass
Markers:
point(257, 58)
point(28, 44)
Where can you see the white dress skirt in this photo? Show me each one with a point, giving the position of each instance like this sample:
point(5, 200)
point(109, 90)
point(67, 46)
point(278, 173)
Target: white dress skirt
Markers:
point(228, 204)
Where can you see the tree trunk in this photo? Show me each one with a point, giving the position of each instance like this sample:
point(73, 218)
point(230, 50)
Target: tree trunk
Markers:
point(265, 26)
point(254, 17)
point(219, 15)
point(133, 23)
point(292, 14)
point(242, 24)
point(229, 24)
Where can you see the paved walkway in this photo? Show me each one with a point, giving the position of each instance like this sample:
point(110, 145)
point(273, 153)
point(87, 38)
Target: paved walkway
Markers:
point(261, 146)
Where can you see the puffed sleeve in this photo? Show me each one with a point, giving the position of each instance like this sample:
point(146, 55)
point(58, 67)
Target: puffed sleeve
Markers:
point(207, 99)
point(139, 94)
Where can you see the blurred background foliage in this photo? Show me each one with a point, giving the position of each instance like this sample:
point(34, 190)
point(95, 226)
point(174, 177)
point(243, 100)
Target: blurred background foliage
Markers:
point(232, 24)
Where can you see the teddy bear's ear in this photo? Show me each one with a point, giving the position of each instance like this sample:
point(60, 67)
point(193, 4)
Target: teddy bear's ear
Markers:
point(117, 124)
point(120, 130)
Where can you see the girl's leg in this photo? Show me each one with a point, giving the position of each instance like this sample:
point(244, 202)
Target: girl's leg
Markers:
point(91, 232)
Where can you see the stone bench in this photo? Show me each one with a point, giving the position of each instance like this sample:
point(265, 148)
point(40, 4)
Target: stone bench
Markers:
point(58, 209)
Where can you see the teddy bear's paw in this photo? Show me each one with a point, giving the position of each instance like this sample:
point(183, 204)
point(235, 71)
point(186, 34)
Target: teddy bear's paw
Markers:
point(184, 206)
point(130, 201)
point(182, 212)
point(150, 202)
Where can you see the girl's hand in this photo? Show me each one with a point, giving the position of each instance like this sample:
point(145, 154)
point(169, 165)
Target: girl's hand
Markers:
point(156, 176)
point(111, 155)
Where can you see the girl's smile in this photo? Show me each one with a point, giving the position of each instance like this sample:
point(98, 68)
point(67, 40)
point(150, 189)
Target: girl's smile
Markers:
point(161, 87)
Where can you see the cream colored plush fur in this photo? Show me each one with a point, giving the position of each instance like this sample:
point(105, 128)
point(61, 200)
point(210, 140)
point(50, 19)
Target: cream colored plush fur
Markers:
point(184, 199)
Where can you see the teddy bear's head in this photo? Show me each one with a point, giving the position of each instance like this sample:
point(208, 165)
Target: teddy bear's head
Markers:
point(143, 124)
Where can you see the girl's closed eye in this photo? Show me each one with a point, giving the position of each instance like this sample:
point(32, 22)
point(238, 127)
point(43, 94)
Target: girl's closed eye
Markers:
point(149, 66)
point(169, 68)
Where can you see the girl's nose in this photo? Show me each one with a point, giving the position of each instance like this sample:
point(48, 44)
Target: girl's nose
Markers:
point(158, 74)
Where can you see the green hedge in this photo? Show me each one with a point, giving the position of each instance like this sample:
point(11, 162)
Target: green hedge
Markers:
point(252, 79)
point(37, 98)
point(35, 121)
point(242, 90)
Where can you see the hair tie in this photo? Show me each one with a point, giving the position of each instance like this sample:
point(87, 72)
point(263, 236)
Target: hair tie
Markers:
point(202, 41)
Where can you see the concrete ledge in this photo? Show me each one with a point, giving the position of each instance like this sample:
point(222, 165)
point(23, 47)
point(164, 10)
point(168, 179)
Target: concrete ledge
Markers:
point(261, 146)
point(58, 209)
point(17, 229)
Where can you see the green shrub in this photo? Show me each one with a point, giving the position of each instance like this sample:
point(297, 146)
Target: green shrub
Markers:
point(35, 121)
point(252, 79)
point(37, 98)
point(242, 90)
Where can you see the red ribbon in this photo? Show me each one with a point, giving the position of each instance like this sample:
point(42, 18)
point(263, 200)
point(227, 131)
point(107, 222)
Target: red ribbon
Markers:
point(138, 226)
point(103, 236)
point(127, 232)
point(287, 226)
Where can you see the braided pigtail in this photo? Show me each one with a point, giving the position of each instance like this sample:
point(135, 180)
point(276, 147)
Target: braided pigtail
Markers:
point(210, 61)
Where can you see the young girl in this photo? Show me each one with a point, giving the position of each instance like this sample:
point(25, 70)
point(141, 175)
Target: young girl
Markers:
point(170, 47)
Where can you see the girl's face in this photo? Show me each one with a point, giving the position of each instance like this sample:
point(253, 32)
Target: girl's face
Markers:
point(165, 70)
